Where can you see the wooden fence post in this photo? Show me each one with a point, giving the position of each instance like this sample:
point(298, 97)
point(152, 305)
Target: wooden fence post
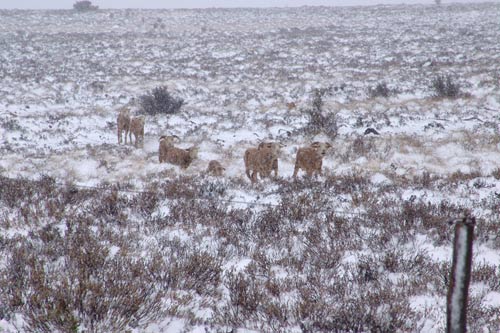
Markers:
point(456, 310)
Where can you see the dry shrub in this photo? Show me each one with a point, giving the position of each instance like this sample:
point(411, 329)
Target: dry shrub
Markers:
point(298, 275)
point(458, 177)
point(373, 307)
point(381, 90)
point(496, 173)
point(85, 287)
point(445, 87)
point(363, 146)
point(320, 121)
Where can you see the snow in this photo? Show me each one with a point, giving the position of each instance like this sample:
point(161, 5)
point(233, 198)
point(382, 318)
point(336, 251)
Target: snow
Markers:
point(64, 77)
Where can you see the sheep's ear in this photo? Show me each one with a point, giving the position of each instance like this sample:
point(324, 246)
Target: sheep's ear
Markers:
point(315, 144)
point(328, 145)
point(261, 145)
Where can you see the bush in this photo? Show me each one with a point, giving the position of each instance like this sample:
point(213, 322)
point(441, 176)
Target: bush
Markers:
point(80, 285)
point(318, 121)
point(444, 87)
point(84, 5)
point(381, 90)
point(159, 100)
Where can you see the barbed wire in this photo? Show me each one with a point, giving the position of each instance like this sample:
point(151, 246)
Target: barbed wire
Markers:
point(114, 187)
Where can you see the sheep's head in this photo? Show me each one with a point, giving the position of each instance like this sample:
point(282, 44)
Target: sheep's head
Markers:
point(321, 147)
point(168, 139)
point(274, 147)
point(141, 120)
point(193, 152)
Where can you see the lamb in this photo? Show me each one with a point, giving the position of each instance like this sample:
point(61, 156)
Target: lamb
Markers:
point(310, 159)
point(215, 168)
point(123, 124)
point(137, 128)
point(173, 155)
point(262, 160)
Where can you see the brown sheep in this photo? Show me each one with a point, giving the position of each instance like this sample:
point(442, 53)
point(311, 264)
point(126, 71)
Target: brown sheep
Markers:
point(123, 124)
point(290, 106)
point(215, 168)
point(166, 141)
point(137, 128)
point(173, 155)
point(310, 159)
point(262, 160)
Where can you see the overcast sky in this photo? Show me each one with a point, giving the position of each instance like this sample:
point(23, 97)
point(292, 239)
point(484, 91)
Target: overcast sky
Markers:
point(67, 4)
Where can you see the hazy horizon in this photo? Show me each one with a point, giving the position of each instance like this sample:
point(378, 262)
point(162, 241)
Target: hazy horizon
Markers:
point(68, 4)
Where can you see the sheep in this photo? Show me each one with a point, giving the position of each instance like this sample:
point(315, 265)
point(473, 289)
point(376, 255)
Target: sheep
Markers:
point(173, 155)
point(123, 124)
point(215, 168)
point(310, 159)
point(290, 106)
point(262, 160)
point(166, 141)
point(137, 128)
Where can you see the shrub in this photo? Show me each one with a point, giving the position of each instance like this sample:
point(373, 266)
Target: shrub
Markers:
point(381, 90)
point(84, 6)
point(89, 288)
point(444, 87)
point(159, 100)
point(318, 120)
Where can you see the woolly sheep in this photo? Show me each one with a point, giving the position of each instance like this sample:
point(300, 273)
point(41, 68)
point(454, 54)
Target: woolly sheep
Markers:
point(123, 124)
point(173, 155)
point(215, 168)
point(137, 129)
point(262, 160)
point(310, 159)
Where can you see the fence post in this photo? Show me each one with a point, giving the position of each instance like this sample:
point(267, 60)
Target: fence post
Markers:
point(456, 310)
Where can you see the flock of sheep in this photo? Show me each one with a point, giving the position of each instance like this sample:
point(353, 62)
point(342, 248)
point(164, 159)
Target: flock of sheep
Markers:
point(259, 161)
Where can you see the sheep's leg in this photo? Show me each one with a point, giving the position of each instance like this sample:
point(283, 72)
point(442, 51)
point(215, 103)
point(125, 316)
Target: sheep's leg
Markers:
point(295, 170)
point(254, 176)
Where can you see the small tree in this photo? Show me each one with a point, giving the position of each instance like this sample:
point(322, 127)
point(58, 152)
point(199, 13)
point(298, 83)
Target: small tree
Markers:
point(84, 5)
point(318, 120)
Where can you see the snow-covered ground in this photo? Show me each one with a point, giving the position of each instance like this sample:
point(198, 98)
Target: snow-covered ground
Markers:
point(64, 75)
